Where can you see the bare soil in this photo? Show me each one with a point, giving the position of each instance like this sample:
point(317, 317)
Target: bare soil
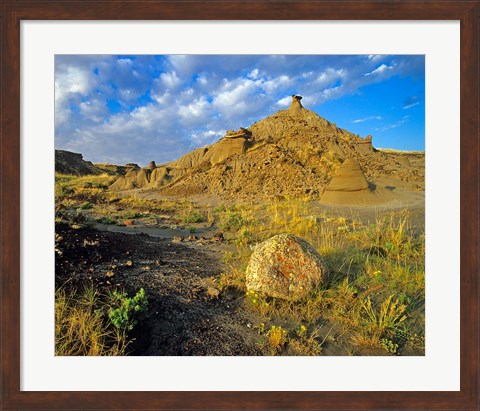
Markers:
point(187, 314)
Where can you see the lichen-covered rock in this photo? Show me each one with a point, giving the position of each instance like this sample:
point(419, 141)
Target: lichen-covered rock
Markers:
point(284, 266)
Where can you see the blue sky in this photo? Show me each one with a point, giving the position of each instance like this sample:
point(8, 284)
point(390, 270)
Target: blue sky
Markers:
point(121, 109)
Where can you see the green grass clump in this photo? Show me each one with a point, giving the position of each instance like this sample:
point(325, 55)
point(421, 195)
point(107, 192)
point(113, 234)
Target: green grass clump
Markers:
point(84, 325)
point(193, 217)
point(232, 220)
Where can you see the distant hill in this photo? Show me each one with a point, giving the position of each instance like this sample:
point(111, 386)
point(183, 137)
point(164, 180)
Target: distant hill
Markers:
point(67, 162)
point(291, 153)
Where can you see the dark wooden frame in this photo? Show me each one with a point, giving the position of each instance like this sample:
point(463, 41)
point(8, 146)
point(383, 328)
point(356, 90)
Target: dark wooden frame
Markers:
point(467, 12)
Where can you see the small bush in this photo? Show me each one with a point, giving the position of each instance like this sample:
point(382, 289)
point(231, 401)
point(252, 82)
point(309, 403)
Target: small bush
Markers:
point(244, 237)
point(127, 311)
point(193, 217)
point(233, 221)
point(129, 214)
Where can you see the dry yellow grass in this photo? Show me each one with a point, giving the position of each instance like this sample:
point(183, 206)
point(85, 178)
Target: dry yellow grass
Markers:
point(82, 327)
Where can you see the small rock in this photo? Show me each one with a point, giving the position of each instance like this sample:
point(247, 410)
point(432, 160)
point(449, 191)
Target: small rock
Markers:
point(192, 238)
point(110, 274)
point(218, 237)
point(129, 263)
point(177, 239)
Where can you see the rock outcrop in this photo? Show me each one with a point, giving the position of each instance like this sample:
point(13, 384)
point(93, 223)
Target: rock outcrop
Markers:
point(242, 133)
point(293, 152)
point(67, 162)
point(285, 266)
point(233, 143)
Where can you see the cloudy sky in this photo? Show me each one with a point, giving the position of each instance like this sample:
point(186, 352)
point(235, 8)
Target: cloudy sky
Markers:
point(122, 109)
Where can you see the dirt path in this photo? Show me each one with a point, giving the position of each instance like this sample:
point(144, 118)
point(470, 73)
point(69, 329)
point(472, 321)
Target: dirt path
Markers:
point(187, 314)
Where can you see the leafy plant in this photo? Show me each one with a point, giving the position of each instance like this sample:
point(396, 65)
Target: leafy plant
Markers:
point(127, 311)
point(389, 345)
point(193, 217)
point(233, 221)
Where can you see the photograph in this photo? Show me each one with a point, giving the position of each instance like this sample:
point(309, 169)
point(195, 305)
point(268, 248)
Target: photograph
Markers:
point(239, 205)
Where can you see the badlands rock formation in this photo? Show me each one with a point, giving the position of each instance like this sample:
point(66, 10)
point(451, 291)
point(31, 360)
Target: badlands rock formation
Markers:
point(293, 152)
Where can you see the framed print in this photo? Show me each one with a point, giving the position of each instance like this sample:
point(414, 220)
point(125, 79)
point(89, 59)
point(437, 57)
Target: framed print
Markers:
point(262, 205)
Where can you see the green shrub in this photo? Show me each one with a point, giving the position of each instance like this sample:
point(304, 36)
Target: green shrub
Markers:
point(132, 214)
point(233, 221)
point(127, 310)
point(193, 217)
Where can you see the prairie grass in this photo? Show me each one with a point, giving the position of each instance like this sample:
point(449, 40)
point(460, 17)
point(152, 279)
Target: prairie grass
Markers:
point(372, 301)
point(374, 295)
point(82, 326)
point(82, 198)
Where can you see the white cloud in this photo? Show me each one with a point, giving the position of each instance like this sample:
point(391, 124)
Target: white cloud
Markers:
point(170, 80)
point(284, 102)
point(375, 57)
point(361, 120)
point(253, 74)
point(197, 110)
point(202, 80)
point(93, 110)
point(207, 137)
point(379, 70)
point(330, 76)
point(70, 82)
point(162, 99)
point(332, 92)
point(396, 124)
point(234, 93)
point(125, 62)
point(406, 107)
point(276, 83)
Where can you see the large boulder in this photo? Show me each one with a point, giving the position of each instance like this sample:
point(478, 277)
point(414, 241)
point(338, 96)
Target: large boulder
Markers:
point(284, 266)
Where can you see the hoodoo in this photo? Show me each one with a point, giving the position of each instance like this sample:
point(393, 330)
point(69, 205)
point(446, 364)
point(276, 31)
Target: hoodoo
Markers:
point(293, 152)
point(349, 177)
point(349, 186)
